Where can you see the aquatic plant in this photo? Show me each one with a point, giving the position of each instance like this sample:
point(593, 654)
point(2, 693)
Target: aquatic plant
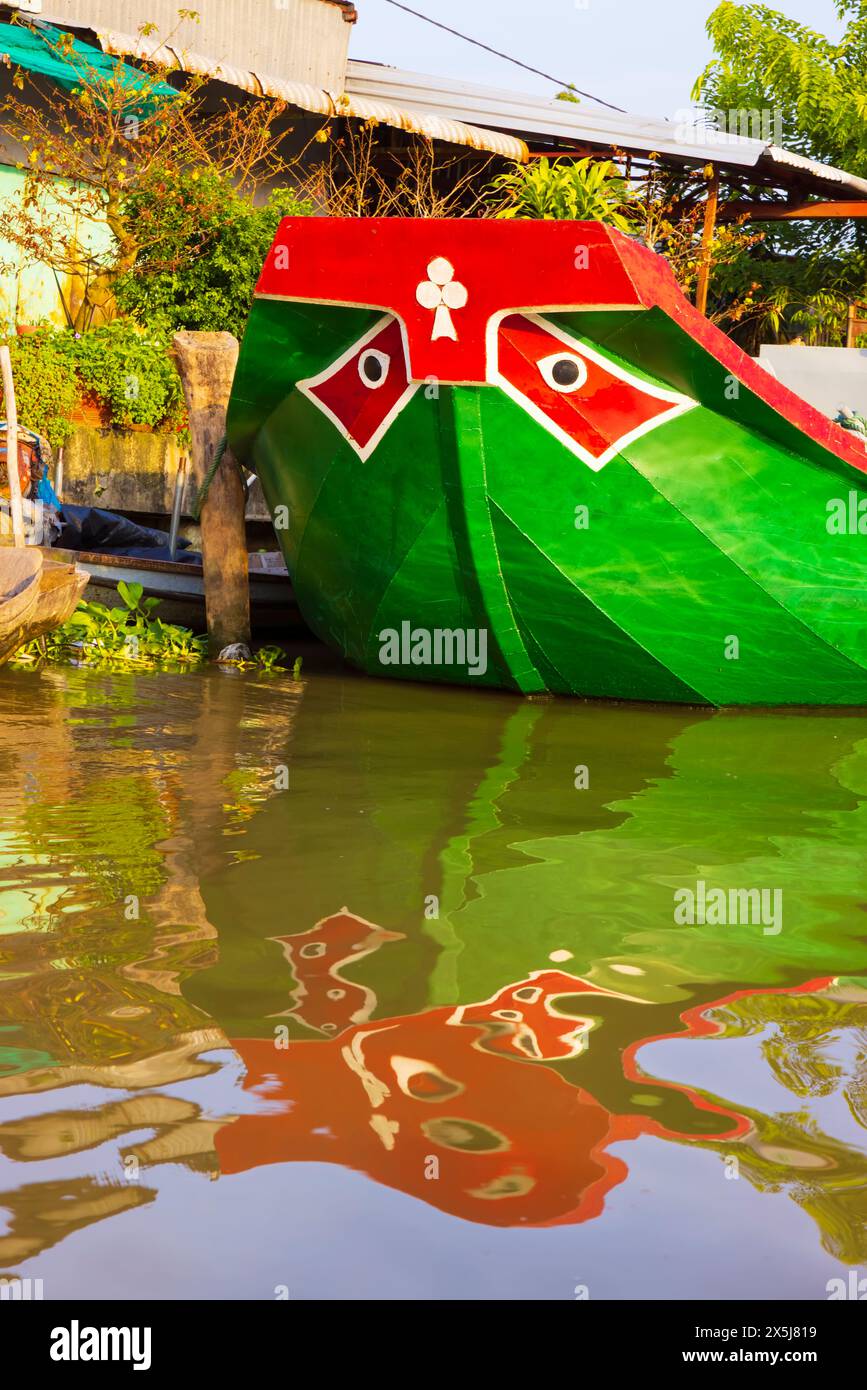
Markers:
point(133, 638)
point(268, 659)
point(127, 638)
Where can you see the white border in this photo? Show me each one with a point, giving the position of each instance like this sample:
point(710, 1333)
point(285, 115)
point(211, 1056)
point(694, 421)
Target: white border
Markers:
point(306, 386)
point(490, 341)
point(679, 403)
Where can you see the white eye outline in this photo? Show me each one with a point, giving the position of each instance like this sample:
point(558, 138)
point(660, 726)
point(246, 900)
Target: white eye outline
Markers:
point(546, 367)
point(384, 361)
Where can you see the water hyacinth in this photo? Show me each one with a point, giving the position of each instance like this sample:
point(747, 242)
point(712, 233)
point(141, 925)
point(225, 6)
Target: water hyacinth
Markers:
point(131, 638)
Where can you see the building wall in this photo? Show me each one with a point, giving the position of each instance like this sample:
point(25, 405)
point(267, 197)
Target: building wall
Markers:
point(300, 40)
point(29, 292)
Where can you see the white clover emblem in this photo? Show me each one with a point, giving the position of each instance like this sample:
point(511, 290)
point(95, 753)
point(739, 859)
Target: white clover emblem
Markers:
point(442, 293)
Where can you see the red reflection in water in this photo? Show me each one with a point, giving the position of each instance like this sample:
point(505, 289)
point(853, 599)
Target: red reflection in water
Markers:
point(443, 1104)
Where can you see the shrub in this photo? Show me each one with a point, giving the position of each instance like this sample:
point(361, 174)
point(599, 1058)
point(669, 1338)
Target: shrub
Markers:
point(206, 281)
point(582, 189)
point(131, 372)
point(46, 386)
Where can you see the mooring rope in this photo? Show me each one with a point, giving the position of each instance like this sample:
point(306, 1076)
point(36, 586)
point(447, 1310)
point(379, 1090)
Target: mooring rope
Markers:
point(202, 494)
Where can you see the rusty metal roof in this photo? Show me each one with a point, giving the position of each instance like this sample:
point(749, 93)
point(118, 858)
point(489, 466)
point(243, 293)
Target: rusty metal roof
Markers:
point(433, 125)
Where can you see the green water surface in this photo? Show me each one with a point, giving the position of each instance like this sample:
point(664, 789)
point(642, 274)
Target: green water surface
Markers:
point(189, 1103)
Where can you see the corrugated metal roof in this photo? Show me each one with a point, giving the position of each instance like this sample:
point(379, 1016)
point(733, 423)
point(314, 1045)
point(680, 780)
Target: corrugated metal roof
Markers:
point(772, 154)
point(582, 124)
point(434, 125)
point(304, 40)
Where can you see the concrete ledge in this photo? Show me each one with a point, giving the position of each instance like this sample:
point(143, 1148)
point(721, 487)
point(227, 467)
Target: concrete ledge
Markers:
point(130, 471)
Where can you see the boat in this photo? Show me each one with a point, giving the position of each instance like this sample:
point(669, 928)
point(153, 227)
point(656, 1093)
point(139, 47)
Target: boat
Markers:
point(37, 595)
point(510, 454)
point(180, 587)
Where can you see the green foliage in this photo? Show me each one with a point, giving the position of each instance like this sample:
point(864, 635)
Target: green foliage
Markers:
point(128, 371)
point(131, 372)
point(774, 292)
point(204, 280)
point(766, 61)
point(584, 190)
point(269, 660)
point(46, 387)
point(126, 638)
point(131, 637)
point(798, 280)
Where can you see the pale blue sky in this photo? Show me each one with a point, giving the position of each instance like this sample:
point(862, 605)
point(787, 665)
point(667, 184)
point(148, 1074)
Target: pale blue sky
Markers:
point(640, 54)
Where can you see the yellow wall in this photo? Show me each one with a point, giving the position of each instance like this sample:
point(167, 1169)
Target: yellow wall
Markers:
point(28, 291)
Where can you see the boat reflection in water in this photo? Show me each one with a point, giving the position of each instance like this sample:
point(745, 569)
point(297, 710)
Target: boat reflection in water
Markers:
point(443, 1104)
point(502, 1010)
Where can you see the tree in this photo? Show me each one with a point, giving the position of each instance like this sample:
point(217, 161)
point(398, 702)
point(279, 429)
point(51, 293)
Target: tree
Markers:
point(814, 92)
point(94, 159)
point(768, 62)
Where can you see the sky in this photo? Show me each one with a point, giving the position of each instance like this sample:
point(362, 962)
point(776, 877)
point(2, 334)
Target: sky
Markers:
point(643, 55)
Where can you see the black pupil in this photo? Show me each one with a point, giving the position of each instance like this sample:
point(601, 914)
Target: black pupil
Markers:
point(373, 369)
point(565, 372)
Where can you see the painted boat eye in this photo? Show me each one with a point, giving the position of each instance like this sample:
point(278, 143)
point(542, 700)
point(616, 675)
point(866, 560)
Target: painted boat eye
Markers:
point(564, 372)
point(373, 368)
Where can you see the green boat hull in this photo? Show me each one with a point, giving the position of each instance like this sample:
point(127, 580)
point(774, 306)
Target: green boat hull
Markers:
point(715, 559)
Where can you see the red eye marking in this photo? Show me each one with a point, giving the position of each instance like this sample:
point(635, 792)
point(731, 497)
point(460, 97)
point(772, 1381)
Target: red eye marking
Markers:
point(365, 390)
point(592, 406)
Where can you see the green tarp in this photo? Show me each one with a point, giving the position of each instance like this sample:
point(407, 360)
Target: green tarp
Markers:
point(78, 65)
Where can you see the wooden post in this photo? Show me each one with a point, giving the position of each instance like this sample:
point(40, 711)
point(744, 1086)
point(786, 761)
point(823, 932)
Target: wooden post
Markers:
point(710, 207)
point(206, 362)
point(857, 323)
point(12, 446)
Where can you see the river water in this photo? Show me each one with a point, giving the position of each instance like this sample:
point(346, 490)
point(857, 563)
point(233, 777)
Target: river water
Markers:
point(340, 988)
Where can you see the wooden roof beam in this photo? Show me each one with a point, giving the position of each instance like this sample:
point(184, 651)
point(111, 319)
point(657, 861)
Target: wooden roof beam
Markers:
point(785, 212)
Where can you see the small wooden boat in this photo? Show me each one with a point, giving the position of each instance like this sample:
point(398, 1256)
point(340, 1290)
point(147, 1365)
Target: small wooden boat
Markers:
point(180, 587)
point(512, 454)
point(37, 595)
